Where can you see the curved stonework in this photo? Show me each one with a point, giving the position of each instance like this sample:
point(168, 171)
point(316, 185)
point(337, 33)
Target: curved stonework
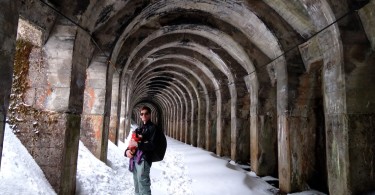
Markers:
point(283, 86)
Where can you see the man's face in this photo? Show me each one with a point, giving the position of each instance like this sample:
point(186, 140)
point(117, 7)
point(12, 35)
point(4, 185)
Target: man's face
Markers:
point(145, 115)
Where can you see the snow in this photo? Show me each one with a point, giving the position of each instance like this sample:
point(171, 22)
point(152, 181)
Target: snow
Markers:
point(19, 173)
point(185, 170)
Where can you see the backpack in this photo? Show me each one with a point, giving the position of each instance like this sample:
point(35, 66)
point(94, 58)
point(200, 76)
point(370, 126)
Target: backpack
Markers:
point(160, 143)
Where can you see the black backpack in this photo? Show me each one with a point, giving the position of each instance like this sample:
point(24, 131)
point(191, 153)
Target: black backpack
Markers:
point(160, 143)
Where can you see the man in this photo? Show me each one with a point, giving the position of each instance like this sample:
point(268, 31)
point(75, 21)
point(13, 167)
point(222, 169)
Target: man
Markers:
point(141, 160)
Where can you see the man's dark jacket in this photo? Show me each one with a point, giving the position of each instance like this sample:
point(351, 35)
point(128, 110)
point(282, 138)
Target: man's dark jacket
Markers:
point(147, 145)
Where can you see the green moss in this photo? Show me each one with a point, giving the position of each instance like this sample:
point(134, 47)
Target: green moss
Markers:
point(18, 110)
point(21, 68)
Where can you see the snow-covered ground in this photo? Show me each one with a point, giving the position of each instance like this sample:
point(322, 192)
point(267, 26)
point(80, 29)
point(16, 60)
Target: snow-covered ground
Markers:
point(185, 170)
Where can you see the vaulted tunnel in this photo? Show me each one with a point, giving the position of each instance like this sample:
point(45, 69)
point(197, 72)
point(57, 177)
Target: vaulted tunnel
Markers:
point(284, 86)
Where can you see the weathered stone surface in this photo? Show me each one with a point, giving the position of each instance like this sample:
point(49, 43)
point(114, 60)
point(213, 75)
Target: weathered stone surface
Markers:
point(44, 18)
point(208, 49)
point(43, 137)
point(368, 21)
point(361, 152)
point(337, 154)
point(93, 101)
point(8, 32)
point(70, 154)
point(8, 21)
point(112, 129)
point(92, 132)
point(311, 54)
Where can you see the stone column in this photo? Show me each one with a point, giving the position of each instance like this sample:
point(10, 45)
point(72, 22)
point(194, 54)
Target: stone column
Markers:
point(52, 102)
point(195, 122)
point(212, 114)
point(359, 77)
point(223, 146)
point(121, 112)
point(107, 112)
point(200, 132)
point(8, 33)
point(234, 126)
point(263, 133)
point(93, 106)
point(243, 116)
point(113, 129)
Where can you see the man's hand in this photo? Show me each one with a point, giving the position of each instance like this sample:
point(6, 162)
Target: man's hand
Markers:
point(129, 154)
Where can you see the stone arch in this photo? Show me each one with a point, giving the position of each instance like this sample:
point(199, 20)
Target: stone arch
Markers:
point(200, 113)
point(181, 67)
point(154, 78)
point(233, 91)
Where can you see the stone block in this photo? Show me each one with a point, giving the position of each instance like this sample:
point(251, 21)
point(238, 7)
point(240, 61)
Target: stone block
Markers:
point(58, 80)
point(46, 146)
point(310, 53)
point(337, 153)
point(53, 52)
point(59, 65)
point(41, 95)
point(57, 99)
point(94, 101)
point(92, 132)
point(95, 83)
point(361, 152)
point(98, 66)
point(64, 31)
point(335, 104)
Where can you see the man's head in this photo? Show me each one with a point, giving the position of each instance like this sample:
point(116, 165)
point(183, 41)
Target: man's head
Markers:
point(145, 114)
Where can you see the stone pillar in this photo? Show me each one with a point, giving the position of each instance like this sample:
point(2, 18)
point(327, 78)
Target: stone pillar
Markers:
point(195, 126)
point(49, 98)
point(190, 119)
point(128, 111)
point(8, 33)
point(312, 148)
point(206, 122)
point(113, 133)
point(183, 116)
point(82, 51)
point(359, 70)
point(122, 102)
point(297, 124)
point(234, 126)
point(223, 146)
point(202, 121)
point(174, 112)
point(285, 166)
point(243, 116)
point(93, 106)
point(263, 133)
point(212, 127)
point(107, 112)
point(216, 124)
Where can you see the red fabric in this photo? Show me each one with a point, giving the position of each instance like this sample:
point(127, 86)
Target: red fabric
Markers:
point(133, 144)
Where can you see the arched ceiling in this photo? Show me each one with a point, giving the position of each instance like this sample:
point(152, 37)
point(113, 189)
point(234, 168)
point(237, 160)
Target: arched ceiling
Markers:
point(213, 43)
